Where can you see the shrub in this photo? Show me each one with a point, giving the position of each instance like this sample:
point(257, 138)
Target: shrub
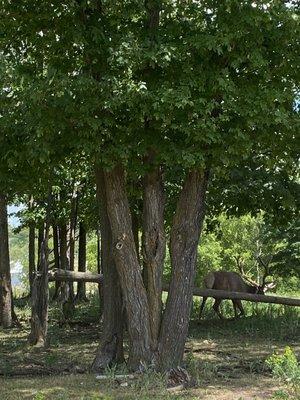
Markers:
point(286, 368)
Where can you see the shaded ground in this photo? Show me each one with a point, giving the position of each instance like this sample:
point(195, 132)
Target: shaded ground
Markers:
point(225, 358)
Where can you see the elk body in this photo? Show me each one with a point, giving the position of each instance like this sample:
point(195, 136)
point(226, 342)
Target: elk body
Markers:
point(231, 282)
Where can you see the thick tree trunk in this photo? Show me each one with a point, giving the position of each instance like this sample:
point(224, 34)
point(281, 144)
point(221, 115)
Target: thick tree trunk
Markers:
point(111, 348)
point(153, 198)
point(135, 230)
point(185, 233)
point(129, 271)
point(40, 296)
point(31, 255)
point(57, 264)
point(154, 245)
point(5, 278)
point(81, 286)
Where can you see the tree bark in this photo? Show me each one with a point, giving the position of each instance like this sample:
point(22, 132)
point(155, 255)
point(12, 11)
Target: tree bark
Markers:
point(5, 278)
point(135, 230)
point(56, 247)
point(31, 255)
point(67, 297)
point(185, 233)
point(111, 349)
point(72, 233)
point(31, 248)
point(57, 263)
point(154, 245)
point(40, 296)
point(99, 265)
point(98, 233)
point(129, 271)
point(64, 259)
point(81, 286)
point(40, 241)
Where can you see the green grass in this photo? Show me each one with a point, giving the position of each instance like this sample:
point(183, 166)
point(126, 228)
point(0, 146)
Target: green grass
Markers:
point(225, 358)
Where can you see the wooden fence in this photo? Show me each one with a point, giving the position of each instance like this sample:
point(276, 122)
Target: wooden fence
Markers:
point(72, 276)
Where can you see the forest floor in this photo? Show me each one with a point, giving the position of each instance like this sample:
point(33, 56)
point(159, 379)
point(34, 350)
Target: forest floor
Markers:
point(225, 358)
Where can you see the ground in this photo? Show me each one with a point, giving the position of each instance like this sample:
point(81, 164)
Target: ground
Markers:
point(226, 359)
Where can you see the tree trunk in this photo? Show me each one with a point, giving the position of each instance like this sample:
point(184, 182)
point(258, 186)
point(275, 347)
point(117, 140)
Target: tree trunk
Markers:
point(154, 245)
point(40, 296)
point(81, 286)
point(99, 266)
point(40, 241)
point(31, 255)
point(67, 298)
point(63, 235)
point(154, 242)
point(111, 348)
point(125, 257)
point(135, 230)
point(5, 278)
point(185, 233)
point(57, 264)
point(72, 233)
point(56, 247)
point(31, 248)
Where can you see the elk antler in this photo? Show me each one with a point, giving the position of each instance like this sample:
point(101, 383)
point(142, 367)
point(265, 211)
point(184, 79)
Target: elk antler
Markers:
point(240, 265)
point(266, 267)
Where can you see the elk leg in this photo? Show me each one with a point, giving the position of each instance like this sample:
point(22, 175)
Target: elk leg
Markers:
point(216, 307)
point(235, 305)
point(202, 306)
point(241, 308)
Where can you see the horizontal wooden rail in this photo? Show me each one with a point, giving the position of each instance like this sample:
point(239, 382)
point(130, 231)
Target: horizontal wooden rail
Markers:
point(256, 298)
point(71, 276)
point(74, 276)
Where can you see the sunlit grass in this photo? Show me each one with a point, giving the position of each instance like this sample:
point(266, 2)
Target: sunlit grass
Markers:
point(220, 355)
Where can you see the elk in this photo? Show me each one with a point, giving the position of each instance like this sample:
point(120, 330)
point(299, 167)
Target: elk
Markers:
point(234, 282)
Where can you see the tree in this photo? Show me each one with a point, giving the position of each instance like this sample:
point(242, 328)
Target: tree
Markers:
point(5, 279)
point(150, 89)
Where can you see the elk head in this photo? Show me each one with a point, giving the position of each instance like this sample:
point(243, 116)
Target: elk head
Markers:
point(258, 287)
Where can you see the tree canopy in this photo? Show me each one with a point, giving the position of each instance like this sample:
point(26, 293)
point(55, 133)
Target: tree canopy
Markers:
point(169, 108)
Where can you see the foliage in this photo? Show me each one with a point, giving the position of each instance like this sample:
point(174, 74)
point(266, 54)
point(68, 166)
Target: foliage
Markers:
point(247, 240)
point(92, 252)
point(287, 259)
point(18, 246)
point(286, 368)
point(211, 90)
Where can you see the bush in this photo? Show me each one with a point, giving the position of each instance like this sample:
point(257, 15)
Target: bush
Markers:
point(286, 368)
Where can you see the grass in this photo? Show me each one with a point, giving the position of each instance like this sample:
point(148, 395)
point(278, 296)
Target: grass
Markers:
point(225, 358)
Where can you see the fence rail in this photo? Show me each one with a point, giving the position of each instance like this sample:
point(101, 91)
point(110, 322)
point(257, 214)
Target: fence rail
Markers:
point(63, 275)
